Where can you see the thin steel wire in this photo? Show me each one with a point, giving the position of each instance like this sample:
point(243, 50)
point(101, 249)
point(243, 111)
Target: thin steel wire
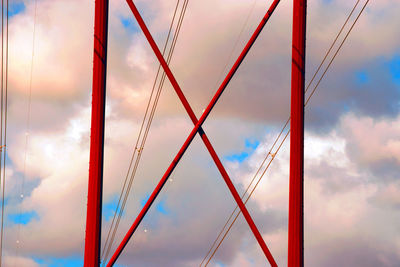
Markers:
point(337, 51)
point(151, 116)
point(269, 153)
point(138, 138)
point(4, 145)
point(28, 122)
point(2, 88)
point(245, 23)
point(247, 199)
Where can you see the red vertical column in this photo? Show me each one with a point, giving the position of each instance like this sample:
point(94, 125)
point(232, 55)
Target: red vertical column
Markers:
point(296, 236)
point(95, 188)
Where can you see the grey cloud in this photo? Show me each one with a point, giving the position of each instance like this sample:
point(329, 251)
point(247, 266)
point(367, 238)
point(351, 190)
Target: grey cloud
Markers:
point(352, 251)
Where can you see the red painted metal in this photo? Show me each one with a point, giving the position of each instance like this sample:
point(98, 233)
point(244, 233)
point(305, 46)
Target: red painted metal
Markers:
point(296, 210)
point(193, 133)
point(95, 186)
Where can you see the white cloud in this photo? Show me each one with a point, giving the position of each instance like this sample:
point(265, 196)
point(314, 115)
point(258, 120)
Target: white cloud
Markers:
point(344, 208)
point(343, 203)
point(373, 140)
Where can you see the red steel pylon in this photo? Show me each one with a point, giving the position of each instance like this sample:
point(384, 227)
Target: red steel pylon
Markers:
point(95, 186)
point(93, 221)
point(296, 202)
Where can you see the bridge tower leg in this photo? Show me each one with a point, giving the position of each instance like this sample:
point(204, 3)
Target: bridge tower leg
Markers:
point(296, 206)
point(95, 187)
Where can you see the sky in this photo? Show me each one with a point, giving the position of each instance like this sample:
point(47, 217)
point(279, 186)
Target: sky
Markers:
point(352, 129)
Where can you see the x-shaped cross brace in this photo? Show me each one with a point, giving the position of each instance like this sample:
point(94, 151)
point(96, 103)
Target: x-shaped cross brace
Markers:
point(197, 128)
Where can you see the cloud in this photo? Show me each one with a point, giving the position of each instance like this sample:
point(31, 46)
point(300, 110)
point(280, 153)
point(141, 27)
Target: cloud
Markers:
point(56, 75)
point(19, 261)
point(352, 158)
point(373, 140)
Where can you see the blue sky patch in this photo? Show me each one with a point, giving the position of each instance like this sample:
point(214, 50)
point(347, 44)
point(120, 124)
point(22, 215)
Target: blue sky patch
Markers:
point(394, 68)
point(60, 262)
point(129, 24)
point(238, 157)
point(250, 146)
point(15, 8)
point(23, 218)
point(362, 77)
point(144, 200)
point(109, 208)
point(160, 207)
point(253, 144)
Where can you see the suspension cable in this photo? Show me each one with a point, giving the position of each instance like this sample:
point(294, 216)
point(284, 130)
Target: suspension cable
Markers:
point(1, 104)
point(2, 82)
point(28, 125)
point(3, 148)
point(138, 138)
point(153, 110)
point(245, 23)
point(273, 155)
point(139, 149)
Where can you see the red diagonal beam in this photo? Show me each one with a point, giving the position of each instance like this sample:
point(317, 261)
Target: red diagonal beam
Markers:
point(193, 133)
point(201, 132)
